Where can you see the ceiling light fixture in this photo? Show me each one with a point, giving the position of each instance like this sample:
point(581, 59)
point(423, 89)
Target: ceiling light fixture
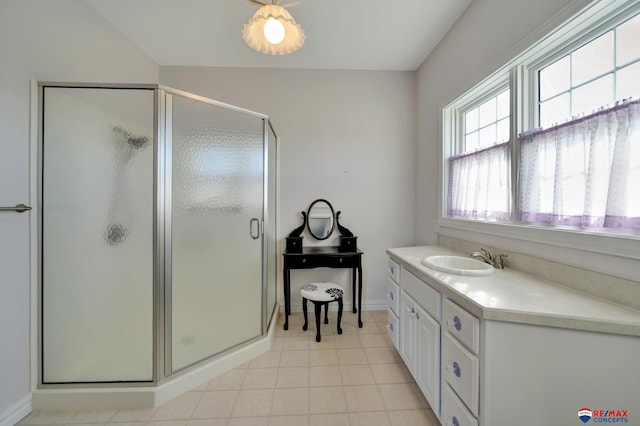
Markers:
point(272, 30)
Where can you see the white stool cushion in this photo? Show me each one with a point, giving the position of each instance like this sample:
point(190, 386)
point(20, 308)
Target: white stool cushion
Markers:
point(321, 292)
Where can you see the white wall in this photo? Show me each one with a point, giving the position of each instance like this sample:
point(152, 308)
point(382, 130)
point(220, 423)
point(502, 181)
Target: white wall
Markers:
point(62, 40)
point(346, 136)
point(487, 35)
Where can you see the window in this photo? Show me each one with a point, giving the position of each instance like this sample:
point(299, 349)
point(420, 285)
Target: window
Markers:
point(572, 145)
point(479, 172)
point(598, 73)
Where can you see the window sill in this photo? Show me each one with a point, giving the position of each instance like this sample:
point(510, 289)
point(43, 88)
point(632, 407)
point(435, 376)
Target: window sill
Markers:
point(609, 244)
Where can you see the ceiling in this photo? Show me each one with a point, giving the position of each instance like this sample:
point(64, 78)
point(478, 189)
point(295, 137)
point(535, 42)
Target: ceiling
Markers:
point(341, 34)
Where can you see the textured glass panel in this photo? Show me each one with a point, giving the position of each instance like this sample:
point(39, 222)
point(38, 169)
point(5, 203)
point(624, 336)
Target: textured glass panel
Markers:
point(488, 112)
point(590, 97)
point(471, 121)
point(592, 59)
point(217, 189)
point(554, 111)
point(627, 46)
point(628, 82)
point(555, 78)
point(97, 235)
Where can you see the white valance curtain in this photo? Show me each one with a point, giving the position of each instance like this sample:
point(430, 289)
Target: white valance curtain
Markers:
point(584, 173)
point(480, 184)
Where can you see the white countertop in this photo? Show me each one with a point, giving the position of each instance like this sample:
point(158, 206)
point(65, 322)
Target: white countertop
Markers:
point(514, 296)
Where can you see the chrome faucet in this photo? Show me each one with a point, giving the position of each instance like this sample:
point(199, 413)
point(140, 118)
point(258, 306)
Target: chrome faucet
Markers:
point(484, 254)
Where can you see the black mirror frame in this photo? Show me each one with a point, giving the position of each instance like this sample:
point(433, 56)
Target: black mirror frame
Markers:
point(333, 218)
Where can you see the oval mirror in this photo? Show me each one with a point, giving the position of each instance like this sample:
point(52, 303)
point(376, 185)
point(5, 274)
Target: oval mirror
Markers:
point(320, 219)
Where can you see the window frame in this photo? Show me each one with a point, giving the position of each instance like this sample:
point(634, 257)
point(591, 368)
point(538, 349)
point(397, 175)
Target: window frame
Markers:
point(521, 75)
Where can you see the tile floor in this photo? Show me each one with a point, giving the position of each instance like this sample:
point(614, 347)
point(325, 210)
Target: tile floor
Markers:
point(352, 379)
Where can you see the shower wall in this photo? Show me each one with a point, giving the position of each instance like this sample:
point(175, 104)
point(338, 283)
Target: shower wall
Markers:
point(157, 229)
point(97, 235)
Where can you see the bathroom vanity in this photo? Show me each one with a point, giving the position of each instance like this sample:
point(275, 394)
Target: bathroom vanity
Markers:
point(510, 348)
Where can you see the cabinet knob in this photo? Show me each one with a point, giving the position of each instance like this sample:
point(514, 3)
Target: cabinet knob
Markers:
point(456, 369)
point(390, 295)
point(304, 260)
point(392, 269)
point(455, 323)
point(390, 327)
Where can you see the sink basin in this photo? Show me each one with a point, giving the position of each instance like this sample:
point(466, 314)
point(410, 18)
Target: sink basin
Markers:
point(458, 265)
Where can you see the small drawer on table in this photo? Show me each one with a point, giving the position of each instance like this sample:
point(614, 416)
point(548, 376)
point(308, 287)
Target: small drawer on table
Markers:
point(393, 269)
point(461, 324)
point(454, 413)
point(393, 328)
point(393, 295)
point(461, 369)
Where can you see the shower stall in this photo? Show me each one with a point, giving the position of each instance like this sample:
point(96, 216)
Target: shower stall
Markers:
point(157, 242)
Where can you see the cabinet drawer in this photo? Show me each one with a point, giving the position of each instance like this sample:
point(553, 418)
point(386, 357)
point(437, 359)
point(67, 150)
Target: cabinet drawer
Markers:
point(461, 369)
point(422, 293)
point(461, 324)
point(307, 261)
point(393, 328)
point(454, 413)
point(393, 294)
point(393, 269)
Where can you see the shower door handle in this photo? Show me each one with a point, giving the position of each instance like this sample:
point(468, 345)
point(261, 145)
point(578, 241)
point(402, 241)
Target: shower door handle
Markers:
point(255, 235)
point(20, 208)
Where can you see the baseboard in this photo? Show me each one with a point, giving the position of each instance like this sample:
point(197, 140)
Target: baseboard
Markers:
point(16, 412)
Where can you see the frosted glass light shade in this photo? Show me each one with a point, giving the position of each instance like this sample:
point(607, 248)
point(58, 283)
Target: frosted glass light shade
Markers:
point(254, 34)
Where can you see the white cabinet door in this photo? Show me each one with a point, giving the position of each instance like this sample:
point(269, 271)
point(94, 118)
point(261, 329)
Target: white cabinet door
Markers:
point(408, 331)
point(428, 358)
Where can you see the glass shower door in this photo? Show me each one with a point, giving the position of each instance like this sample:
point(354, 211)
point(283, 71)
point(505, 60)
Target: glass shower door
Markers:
point(216, 192)
point(97, 234)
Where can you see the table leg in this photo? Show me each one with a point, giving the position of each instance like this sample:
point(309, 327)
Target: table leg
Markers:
point(353, 288)
point(360, 297)
point(287, 297)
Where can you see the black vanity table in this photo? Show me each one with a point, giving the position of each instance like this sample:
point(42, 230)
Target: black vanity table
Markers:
point(323, 257)
point(320, 222)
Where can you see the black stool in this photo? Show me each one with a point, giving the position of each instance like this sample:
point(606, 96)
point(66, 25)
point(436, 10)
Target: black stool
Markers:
point(321, 294)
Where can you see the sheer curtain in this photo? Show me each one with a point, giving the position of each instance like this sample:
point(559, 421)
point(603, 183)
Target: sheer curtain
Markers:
point(479, 184)
point(584, 173)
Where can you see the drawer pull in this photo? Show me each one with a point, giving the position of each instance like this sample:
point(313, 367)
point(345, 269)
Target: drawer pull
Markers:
point(456, 369)
point(304, 260)
point(455, 323)
point(455, 421)
point(390, 327)
point(390, 296)
point(340, 260)
point(392, 270)
point(417, 315)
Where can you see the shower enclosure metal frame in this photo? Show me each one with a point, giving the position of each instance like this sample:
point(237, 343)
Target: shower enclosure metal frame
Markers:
point(162, 228)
